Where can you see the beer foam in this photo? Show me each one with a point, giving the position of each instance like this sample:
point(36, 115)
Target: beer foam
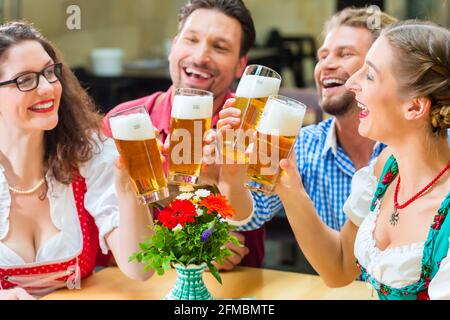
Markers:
point(192, 107)
point(279, 119)
point(132, 127)
point(252, 86)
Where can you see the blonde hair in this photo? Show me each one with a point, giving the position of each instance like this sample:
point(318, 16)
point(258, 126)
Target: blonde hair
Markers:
point(359, 18)
point(424, 51)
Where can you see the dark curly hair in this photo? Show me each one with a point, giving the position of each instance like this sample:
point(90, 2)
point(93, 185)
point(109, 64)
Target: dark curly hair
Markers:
point(73, 140)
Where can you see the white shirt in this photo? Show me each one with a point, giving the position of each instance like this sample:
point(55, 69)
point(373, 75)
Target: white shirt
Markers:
point(100, 201)
point(396, 267)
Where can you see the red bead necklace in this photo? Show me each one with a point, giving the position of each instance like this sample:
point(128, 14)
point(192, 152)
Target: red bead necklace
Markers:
point(395, 216)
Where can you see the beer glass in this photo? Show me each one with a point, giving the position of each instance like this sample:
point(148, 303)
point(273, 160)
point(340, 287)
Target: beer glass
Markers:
point(135, 139)
point(190, 119)
point(276, 134)
point(256, 85)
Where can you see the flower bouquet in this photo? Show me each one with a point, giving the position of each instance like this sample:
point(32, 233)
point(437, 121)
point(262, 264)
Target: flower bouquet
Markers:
point(190, 233)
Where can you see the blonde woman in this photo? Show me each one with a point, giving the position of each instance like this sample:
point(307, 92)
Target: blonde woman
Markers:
point(402, 244)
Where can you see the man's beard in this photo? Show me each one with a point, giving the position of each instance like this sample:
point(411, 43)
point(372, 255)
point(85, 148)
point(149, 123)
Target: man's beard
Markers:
point(339, 106)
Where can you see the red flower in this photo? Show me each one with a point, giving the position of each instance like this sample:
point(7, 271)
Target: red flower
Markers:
point(437, 222)
point(218, 204)
point(423, 295)
point(178, 212)
point(387, 178)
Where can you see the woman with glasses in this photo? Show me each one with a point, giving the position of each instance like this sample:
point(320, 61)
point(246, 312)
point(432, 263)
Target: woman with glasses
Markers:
point(63, 189)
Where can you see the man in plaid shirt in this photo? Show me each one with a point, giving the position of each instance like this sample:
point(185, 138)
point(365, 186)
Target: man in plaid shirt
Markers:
point(329, 153)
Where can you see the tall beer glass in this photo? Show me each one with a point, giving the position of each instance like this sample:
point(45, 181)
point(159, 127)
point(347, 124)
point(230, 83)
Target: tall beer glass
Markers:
point(135, 139)
point(275, 137)
point(256, 85)
point(190, 119)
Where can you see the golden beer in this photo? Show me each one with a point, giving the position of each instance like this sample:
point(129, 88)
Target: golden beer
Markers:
point(190, 119)
point(187, 161)
point(265, 171)
point(256, 85)
point(135, 140)
point(240, 138)
point(276, 135)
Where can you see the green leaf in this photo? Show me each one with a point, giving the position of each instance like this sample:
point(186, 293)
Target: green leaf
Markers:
point(147, 267)
point(214, 271)
point(133, 257)
point(166, 263)
point(235, 241)
point(159, 271)
point(185, 247)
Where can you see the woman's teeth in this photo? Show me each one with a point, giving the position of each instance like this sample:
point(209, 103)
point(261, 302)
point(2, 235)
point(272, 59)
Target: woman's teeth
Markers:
point(42, 106)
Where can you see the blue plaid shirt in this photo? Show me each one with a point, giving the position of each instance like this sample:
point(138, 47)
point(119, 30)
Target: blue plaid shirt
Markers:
point(326, 172)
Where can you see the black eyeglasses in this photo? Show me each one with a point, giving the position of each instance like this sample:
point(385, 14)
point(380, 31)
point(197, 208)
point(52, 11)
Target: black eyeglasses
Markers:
point(30, 81)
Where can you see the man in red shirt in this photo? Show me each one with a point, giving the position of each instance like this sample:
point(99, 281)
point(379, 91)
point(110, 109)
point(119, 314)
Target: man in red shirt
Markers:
point(209, 52)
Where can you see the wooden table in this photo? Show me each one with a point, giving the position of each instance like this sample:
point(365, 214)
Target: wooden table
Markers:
point(111, 284)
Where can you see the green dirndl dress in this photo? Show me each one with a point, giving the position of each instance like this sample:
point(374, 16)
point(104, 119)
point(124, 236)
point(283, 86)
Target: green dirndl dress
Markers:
point(435, 248)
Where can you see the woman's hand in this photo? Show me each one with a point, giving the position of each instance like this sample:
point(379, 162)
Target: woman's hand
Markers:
point(15, 294)
point(329, 252)
point(289, 183)
point(123, 183)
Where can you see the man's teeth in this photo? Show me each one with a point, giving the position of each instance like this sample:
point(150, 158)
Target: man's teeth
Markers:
point(329, 82)
point(198, 73)
point(42, 106)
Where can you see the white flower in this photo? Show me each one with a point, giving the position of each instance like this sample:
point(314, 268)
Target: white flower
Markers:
point(196, 199)
point(203, 193)
point(185, 196)
point(199, 212)
point(178, 227)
